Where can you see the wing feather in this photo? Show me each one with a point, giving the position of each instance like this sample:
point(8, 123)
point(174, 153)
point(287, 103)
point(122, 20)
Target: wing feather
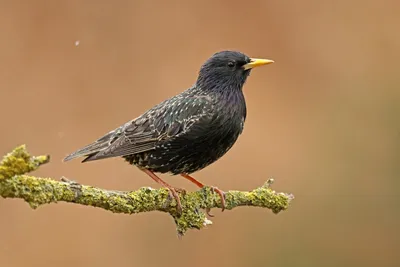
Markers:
point(166, 121)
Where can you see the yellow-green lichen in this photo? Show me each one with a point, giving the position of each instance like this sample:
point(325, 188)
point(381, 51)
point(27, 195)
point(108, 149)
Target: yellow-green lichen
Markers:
point(19, 162)
point(38, 191)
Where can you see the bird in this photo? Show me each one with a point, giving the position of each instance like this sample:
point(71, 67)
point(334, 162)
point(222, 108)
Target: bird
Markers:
point(187, 132)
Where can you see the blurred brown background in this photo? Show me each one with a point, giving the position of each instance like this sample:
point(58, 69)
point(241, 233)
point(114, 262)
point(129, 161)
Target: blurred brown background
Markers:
point(323, 121)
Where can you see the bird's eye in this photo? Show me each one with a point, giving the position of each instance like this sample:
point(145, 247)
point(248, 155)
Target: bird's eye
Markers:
point(231, 64)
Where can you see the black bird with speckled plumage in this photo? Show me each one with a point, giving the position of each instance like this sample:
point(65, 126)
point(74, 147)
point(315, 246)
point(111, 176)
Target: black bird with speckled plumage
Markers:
point(189, 131)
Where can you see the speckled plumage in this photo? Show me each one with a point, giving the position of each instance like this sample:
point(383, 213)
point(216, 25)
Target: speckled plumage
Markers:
point(187, 132)
point(191, 131)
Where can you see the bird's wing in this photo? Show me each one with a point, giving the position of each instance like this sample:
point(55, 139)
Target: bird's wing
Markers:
point(184, 116)
point(134, 137)
point(130, 138)
point(165, 121)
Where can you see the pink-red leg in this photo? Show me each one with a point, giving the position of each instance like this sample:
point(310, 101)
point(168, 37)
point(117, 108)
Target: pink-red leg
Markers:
point(171, 189)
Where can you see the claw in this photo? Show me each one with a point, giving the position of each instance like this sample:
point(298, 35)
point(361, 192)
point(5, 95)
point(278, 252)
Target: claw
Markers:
point(208, 212)
point(213, 188)
point(221, 195)
point(172, 191)
point(175, 195)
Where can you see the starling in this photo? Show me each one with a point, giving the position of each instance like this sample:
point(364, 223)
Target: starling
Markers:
point(187, 132)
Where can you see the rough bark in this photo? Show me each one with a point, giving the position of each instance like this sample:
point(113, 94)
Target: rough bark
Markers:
point(36, 191)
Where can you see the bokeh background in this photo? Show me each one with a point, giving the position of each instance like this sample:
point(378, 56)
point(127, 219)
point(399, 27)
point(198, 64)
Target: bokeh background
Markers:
point(323, 121)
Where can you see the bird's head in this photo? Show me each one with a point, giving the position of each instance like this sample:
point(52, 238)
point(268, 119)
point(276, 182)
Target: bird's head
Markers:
point(227, 70)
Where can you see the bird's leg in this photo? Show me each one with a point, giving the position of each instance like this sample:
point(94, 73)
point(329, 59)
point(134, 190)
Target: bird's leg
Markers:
point(171, 189)
point(215, 189)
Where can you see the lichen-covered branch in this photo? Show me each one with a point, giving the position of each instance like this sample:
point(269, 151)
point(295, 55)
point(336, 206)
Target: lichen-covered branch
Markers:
point(38, 191)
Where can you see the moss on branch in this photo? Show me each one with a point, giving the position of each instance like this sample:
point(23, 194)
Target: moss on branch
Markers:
point(14, 183)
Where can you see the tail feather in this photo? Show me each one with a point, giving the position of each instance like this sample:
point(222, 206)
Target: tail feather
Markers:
point(91, 157)
point(92, 148)
point(87, 150)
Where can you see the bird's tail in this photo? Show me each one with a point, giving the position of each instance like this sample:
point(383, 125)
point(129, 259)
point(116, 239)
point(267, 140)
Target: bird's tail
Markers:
point(91, 149)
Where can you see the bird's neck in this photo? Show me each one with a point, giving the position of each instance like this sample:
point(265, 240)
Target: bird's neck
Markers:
point(209, 86)
point(230, 98)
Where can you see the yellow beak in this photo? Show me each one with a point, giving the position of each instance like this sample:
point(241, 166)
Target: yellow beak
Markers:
point(256, 62)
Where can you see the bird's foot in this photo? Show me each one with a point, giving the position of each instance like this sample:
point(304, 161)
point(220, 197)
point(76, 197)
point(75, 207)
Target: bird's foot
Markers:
point(223, 201)
point(221, 195)
point(213, 188)
point(173, 194)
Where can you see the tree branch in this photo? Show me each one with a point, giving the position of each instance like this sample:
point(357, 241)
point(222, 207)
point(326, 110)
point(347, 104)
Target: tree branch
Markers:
point(38, 191)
